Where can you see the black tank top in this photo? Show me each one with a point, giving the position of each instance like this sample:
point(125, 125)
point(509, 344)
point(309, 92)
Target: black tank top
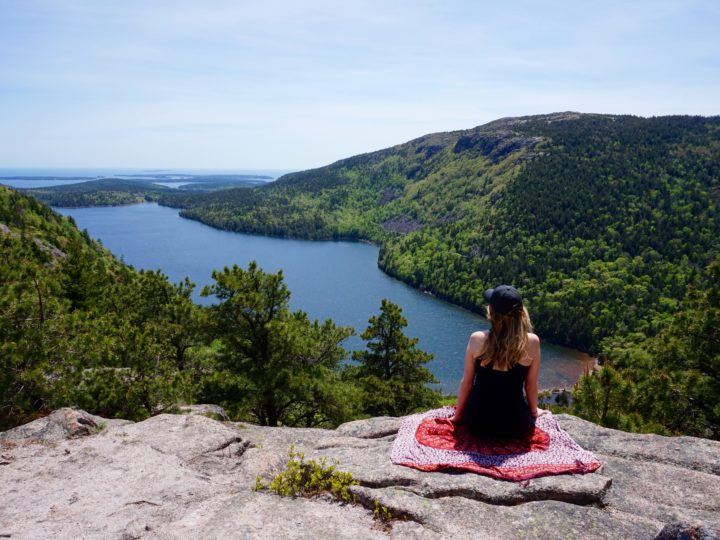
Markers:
point(496, 405)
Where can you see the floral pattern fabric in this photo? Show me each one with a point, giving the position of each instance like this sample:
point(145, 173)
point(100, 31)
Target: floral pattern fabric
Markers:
point(429, 442)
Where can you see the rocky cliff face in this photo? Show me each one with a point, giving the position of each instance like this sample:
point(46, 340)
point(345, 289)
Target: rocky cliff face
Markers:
point(74, 475)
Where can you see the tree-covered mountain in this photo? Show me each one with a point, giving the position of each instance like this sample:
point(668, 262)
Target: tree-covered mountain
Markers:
point(601, 221)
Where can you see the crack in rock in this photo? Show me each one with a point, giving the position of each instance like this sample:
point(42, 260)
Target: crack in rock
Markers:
point(242, 446)
point(370, 499)
point(583, 496)
point(387, 482)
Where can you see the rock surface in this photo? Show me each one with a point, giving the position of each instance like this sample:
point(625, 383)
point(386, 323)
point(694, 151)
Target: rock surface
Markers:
point(58, 425)
point(211, 411)
point(74, 475)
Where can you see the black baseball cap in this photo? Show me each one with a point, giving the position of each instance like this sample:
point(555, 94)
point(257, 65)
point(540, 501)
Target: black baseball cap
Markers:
point(503, 299)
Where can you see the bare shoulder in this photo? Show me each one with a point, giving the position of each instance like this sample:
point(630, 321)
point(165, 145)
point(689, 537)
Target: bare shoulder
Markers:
point(533, 345)
point(532, 351)
point(477, 342)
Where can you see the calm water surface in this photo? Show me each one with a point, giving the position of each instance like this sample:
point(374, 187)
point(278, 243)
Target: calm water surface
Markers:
point(173, 185)
point(337, 280)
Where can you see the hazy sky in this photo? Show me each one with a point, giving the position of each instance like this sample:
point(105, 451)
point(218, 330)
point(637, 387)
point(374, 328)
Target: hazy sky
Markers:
point(294, 84)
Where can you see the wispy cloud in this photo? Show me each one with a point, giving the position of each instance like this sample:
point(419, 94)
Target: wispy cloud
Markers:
point(276, 83)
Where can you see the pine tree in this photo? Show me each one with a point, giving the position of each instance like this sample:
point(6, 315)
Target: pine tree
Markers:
point(392, 370)
point(283, 364)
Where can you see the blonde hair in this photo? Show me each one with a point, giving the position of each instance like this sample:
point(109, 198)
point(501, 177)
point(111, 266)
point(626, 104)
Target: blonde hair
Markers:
point(508, 337)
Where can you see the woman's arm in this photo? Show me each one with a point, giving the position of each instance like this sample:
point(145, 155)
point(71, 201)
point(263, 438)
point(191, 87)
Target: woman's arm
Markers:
point(531, 391)
point(475, 346)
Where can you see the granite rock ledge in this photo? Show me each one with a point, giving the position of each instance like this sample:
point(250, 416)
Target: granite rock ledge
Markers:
point(73, 475)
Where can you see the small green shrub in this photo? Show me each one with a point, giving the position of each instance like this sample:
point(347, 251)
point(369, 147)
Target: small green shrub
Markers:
point(447, 399)
point(259, 484)
point(382, 513)
point(309, 478)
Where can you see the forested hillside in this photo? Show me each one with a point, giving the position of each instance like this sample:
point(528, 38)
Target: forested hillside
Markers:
point(78, 327)
point(102, 192)
point(601, 221)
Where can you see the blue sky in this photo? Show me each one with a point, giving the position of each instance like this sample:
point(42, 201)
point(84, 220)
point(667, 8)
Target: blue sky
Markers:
point(288, 85)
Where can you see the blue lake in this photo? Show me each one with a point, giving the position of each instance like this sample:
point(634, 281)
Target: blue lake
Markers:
point(337, 280)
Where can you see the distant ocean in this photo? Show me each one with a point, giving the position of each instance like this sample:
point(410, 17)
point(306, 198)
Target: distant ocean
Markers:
point(42, 177)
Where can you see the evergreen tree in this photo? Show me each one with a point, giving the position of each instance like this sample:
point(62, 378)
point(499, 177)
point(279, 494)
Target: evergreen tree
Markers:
point(77, 327)
point(284, 365)
point(392, 370)
point(689, 353)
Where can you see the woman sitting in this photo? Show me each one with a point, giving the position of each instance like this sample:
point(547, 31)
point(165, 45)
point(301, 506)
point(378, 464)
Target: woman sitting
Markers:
point(499, 363)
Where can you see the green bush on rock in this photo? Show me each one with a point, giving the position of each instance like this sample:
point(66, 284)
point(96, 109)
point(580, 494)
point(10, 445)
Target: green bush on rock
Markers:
point(310, 478)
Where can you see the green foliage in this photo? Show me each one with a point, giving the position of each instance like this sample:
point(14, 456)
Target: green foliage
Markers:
point(284, 364)
point(382, 513)
point(563, 398)
point(604, 398)
point(669, 383)
point(79, 328)
point(141, 363)
point(391, 371)
point(259, 484)
point(310, 478)
point(34, 312)
point(103, 192)
point(446, 400)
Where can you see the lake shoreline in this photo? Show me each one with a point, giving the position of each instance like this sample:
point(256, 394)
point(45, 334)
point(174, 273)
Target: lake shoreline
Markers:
point(335, 279)
point(373, 243)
